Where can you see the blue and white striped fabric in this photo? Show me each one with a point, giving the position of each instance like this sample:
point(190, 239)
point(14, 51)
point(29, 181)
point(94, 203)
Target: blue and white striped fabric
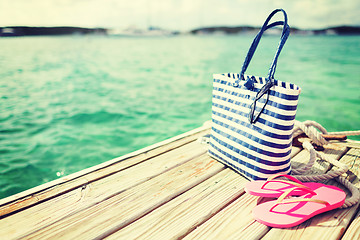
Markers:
point(260, 149)
point(253, 117)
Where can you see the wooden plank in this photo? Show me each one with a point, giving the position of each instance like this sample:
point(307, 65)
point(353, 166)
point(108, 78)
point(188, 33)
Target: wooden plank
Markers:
point(49, 190)
point(177, 217)
point(351, 143)
point(234, 222)
point(93, 193)
point(179, 193)
point(238, 215)
point(353, 232)
point(352, 159)
point(127, 206)
point(295, 151)
point(329, 225)
point(320, 166)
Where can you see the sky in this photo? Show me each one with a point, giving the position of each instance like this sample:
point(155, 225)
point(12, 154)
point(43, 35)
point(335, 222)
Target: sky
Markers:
point(182, 15)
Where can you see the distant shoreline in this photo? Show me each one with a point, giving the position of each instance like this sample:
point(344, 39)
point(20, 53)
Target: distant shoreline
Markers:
point(339, 30)
point(18, 31)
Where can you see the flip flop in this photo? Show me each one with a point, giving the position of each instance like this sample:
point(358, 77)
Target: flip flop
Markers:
point(275, 188)
point(289, 212)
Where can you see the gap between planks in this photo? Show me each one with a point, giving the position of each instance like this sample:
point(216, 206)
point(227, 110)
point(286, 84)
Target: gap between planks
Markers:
point(129, 205)
point(53, 210)
point(328, 226)
point(54, 188)
point(185, 212)
point(352, 158)
point(180, 216)
point(241, 224)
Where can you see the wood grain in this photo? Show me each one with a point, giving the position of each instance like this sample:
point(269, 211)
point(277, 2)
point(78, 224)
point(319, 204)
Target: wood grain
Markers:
point(169, 190)
point(327, 226)
point(233, 222)
point(129, 205)
point(51, 189)
point(90, 194)
point(353, 232)
point(175, 218)
point(352, 159)
point(236, 221)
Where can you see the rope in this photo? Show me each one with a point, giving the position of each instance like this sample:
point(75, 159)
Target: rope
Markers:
point(315, 131)
point(346, 133)
point(310, 128)
point(298, 172)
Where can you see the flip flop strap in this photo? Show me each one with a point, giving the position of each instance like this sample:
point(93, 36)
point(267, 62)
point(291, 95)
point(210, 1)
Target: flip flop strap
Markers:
point(298, 200)
point(295, 200)
point(282, 200)
point(287, 193)
point(284, 175)
point(295, 182)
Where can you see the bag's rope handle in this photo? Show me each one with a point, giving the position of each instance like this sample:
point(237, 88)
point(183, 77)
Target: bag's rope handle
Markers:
point(284, 35)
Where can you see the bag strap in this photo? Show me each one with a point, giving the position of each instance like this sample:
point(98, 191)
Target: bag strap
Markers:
point(270, 78)
point(284, 36)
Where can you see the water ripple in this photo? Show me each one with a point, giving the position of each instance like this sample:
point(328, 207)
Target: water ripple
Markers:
point(69, 103)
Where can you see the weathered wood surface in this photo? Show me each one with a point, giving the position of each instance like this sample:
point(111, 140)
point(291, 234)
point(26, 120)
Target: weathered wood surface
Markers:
point(171, 190)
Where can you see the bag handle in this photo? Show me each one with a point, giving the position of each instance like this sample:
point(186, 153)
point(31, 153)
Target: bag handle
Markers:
point(270, 78)
point(284, 35)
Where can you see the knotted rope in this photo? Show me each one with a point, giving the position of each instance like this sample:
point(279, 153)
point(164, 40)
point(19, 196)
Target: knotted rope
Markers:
point(314, 131)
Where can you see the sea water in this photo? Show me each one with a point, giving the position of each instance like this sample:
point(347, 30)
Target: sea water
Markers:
point(69, 103)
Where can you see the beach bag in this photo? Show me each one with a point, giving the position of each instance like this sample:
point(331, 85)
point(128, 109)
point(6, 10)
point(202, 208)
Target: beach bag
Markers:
point(253, 117)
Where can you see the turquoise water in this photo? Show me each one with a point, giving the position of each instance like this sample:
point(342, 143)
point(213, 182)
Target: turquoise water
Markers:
point(68, 103)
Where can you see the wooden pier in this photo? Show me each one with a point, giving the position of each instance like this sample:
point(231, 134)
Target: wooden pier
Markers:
point(170, 190)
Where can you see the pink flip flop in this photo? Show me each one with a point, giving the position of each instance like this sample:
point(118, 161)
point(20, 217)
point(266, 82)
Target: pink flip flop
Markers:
point(289, 212)
point(275, 188)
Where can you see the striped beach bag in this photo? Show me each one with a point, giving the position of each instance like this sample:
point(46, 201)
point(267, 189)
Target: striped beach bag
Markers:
point(253, 117)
